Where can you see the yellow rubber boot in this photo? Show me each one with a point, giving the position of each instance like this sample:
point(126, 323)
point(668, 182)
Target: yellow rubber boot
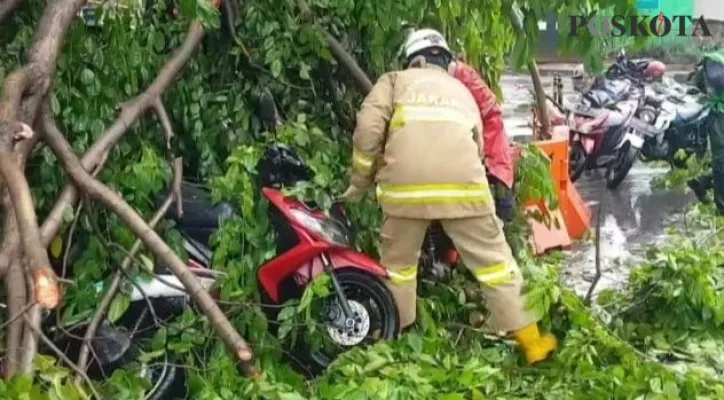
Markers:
point(535, 347)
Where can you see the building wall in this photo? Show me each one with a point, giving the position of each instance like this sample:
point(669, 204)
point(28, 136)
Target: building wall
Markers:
point(710, 9)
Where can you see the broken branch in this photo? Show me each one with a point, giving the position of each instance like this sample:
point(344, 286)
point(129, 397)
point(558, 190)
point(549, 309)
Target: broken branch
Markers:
point(343, 57)
point(95, 189)
point(97, 154)
point(45, 284)
point(160, 110)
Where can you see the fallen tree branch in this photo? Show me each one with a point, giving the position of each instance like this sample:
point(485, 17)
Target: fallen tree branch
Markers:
point(7, 7)
point(174, 196)
point(16, 299)
point(30, 335)
point(343, 57)
point(131, 111)
point(95, 189)
point(21, 94)
point(35, 76)
point(45, 284)
point(70, 364)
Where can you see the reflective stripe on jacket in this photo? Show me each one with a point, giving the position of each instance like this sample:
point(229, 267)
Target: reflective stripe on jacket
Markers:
point(418, 137)
point(497, 151)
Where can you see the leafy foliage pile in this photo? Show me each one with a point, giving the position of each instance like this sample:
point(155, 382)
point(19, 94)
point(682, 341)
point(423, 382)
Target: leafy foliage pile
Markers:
point(213, 106)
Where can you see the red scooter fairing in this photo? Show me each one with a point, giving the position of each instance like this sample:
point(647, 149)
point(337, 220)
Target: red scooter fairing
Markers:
point(304, 260)
point(589, 143)
point(587, 130)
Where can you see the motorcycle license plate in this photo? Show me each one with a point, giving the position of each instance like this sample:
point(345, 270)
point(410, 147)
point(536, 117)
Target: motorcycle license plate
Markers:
point(635, 140)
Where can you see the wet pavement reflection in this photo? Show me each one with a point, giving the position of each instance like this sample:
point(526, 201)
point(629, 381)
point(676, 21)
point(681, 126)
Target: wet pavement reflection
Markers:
point(633, 216)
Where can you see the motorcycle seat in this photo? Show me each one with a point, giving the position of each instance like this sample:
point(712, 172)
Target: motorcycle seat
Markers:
point(690, 111)
point(598, 97)
point(616, 88)
point(654, 100)
point(198, 210)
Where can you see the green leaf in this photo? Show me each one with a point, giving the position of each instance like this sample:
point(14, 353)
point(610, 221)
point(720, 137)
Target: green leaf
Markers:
point(304, 71)
point(87, 77)
point(276, 68)
point(147, 263)
point(68, 214)
point(145, 357)
point(159, 41)
point(291, 396)
point(119, 306)
point(287, 313)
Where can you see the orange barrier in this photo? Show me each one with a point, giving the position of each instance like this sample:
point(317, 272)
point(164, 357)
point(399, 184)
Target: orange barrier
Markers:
point(576, 215)
point(572, 218)
point(548, 237)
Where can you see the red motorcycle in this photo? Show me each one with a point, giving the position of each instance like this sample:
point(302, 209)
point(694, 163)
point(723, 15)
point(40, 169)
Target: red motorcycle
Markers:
point(361, 310)
point(604, 138)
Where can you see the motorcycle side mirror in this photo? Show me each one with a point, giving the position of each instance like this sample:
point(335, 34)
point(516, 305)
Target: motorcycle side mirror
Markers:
point(268, 110)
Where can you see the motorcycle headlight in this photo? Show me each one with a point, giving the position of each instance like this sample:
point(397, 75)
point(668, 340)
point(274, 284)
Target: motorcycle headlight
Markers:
point(325, 229)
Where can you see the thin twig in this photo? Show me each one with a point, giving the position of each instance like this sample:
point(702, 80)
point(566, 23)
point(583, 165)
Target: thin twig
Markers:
point(15, 317)
point(70, 364)
point(70, 240)
point(176, 161)
point(597, 277)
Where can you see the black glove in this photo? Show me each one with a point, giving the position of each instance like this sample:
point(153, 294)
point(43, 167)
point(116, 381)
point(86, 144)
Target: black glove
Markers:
point(504, 199)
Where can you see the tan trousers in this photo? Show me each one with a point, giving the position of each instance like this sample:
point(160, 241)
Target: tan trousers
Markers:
point(482, 246)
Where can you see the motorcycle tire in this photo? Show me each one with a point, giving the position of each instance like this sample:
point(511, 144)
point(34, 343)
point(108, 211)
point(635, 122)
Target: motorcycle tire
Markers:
point(168, 381)
point(356, 285)
point(618, 170)
point(576, 161)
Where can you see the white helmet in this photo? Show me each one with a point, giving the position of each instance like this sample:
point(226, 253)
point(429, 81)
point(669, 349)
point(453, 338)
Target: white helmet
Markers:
point(424, 39)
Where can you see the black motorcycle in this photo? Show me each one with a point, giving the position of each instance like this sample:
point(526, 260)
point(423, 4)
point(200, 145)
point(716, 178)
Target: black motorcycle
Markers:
point(679, 125)
point(624, 67)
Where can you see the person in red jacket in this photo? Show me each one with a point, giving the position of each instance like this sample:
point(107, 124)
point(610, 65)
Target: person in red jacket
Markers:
point(497, 151)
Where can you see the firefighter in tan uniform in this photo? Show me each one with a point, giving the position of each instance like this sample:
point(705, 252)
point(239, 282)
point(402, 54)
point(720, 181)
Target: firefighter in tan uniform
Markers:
point(418, 138)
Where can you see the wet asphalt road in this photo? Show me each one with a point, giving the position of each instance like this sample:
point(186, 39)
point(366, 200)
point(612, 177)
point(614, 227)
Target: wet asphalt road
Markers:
point(633, 216)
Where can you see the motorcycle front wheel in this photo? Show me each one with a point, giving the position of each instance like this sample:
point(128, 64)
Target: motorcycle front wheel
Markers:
point(619, 168)
point(576, 161)
point(376, 318)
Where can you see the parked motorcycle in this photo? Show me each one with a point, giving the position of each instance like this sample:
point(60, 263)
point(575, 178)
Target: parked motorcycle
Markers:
point(604, 138)
point(624, 67)
point(604, 93)
point(679, 123)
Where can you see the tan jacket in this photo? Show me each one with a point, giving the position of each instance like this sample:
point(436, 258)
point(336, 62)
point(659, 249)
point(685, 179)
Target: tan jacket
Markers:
point(426, 126)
